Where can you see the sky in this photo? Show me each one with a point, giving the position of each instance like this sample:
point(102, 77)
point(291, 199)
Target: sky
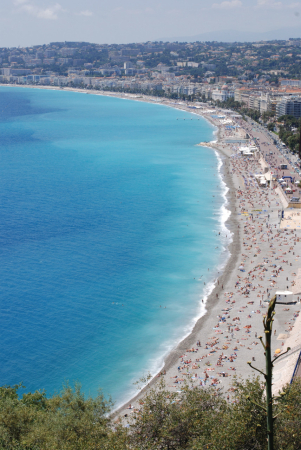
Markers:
point(34, 22)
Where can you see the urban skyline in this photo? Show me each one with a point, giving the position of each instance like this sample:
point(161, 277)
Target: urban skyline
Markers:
point(259, 79)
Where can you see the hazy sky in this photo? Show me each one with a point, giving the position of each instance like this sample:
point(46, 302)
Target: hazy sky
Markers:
point(32, 22)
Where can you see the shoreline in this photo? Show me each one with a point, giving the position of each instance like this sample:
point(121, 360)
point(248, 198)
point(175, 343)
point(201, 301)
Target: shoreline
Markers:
point(233, 173)
point(229, 203)
point(172, 358)
point(270, 203)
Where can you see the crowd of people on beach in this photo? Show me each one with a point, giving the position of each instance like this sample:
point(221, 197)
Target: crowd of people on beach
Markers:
point(268, 261)
point(258, 276)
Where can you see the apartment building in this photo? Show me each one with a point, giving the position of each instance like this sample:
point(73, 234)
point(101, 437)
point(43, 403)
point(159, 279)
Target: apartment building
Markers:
point(289, 106)
point(255, 101)
point(7, 71)
point(222, 94)
point(296, 83)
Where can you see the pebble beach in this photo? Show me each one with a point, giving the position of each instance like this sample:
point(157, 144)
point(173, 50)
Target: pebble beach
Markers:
point(264, 258)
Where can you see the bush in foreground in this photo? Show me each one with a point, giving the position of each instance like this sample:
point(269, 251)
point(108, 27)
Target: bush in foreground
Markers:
point(203, 419)
point(194, 419)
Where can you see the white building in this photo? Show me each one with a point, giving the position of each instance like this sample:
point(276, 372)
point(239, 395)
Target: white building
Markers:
point(128, 65)
point(222, 94)
point(296, 83)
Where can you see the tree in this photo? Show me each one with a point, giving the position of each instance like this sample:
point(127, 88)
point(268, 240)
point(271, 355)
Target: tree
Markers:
point(288, 133)
point(171, 421)
point(266, 115)
point(253, 113)
point(64, 421)
point(289, 121)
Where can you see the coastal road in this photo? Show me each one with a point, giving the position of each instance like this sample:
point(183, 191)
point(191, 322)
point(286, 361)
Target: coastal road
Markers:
point(274, 157)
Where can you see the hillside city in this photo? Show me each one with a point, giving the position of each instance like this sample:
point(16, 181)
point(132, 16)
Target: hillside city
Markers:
point(234, 380)
point(262, 79)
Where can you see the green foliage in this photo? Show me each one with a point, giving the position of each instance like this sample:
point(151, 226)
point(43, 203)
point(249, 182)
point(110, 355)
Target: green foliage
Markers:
point(199, 419)
point(194, 419)
point(287, 425)
point(65, 421)
point(230, 103)
point(289, 137)
point(289, 122)
point(242, 425)
point(155, 58)
point(171, 421)
point(253, 113)
point(266, 115)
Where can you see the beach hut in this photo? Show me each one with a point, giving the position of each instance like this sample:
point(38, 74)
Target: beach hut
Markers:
point(270, 176)
point(262, 181)
point(284, 297)
point(243, 149)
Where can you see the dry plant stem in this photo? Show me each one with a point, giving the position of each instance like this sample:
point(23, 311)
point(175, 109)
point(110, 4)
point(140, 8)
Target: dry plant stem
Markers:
point(268, 325)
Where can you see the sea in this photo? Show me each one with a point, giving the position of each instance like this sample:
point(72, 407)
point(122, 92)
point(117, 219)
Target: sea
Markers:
point(112, 232)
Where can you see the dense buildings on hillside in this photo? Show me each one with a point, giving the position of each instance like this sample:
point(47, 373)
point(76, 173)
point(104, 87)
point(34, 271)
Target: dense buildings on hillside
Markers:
point(259, 75)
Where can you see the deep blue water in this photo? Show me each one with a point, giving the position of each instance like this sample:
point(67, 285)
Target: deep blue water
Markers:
point(106, 213)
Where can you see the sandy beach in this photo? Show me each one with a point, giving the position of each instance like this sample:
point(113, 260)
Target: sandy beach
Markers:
point(265, 257)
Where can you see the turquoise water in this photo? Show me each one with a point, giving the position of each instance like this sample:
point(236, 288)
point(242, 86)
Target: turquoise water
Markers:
point(108, 221)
